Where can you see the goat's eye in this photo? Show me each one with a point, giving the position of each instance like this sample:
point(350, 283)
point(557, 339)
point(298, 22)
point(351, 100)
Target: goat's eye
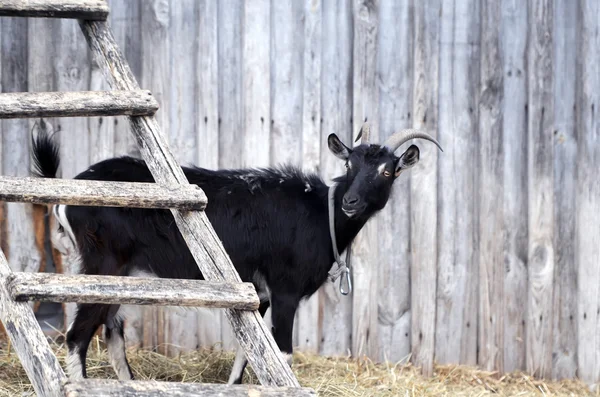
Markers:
point(387, 174)
point(347, 166)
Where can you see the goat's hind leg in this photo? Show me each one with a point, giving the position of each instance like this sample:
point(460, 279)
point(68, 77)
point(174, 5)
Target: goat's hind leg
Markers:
point(88, 318)
point(114, 337)
point(240, 363)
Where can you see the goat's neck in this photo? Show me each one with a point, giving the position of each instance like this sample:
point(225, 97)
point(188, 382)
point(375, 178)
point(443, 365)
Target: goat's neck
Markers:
point(346, 228)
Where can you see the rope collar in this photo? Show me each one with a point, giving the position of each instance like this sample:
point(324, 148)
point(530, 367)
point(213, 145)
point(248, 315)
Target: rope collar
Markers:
point(343, 267)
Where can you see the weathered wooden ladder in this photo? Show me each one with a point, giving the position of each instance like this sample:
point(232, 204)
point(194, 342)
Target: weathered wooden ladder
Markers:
point(223, 287)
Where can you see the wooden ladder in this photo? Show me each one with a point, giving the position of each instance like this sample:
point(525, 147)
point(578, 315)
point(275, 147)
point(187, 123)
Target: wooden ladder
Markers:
point(223, 287)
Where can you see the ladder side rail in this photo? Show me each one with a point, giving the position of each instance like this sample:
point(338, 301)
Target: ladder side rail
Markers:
point(252, 334)
point(41, 365)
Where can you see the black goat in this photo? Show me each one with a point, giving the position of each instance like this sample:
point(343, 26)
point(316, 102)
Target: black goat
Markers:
point(273, 224)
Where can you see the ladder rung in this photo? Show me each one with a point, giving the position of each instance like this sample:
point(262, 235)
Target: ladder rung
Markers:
point(52, 287)
point(97, 387)
point(79, 9)
point(77, 104)
point(101, 193)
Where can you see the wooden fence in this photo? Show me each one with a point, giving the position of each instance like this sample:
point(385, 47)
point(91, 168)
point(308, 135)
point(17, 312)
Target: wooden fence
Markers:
point(488, 253)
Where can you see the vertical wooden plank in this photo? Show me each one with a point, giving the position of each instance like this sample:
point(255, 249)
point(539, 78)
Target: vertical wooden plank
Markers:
point(587, 245)
point(209, 321)
point(336, 105)
point(256, 80)
point(72, 73)
point(125, 18)
point(181, 324)
point(423, 186)
point(395, 68)
point(156, 77)
point(491, 255)
point(540, 189)
point(231, 133)
point(307, 326)
point(514, 45)
point(564, 353)
point(456, 326)
point(286, 82)
point(24, 255)
point(365, 259)
point(101, 129)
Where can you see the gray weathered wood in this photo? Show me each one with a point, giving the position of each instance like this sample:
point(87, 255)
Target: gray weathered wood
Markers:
point(423, 187)
point(76, 104)
point(252, 334)
point(514, 111)
point(286, 82)
point(48, 287)
point(336, 115)
point(79, 9)
point(395, 68)
point(180, 326)
point(100, 193)
point(365, 257)
point(307, 326)
point(125, 22)
point(587, 240)
point(256, 82)
point(106, 388)
point(564, 355)
point(540, 265)
point(231, 107)
point(491, 255)
point(29, 342)
point(20, 233)
point(456, 321)
point(209, 324)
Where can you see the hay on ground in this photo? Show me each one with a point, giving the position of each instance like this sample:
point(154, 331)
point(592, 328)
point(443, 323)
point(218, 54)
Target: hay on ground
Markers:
point(328, 376)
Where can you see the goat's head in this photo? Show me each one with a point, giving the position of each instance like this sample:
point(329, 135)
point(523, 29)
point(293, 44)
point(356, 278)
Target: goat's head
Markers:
point(372, 169)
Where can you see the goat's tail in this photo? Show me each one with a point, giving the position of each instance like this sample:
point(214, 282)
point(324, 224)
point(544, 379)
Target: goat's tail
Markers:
point(46, 154)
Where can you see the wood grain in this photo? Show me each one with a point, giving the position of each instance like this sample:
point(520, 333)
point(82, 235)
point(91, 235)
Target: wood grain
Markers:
point(214, 263)
point(105, 388)
point(514, 112)
point(29, 342)
point(209, 324)
point(564, 353)
point(48, 287)
point(76, 104)
point(231, 107)
point(256, 82)
point(456, 326)
point(423, 187)
point(491, 168)
point(100, 193)
point(540, 264)
point(587, 238)
point(79, 9)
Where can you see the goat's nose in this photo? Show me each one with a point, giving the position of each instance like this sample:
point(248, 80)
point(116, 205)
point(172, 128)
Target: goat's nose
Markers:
point(350, 200)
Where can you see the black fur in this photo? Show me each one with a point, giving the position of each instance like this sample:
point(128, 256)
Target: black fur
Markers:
point(273, 224)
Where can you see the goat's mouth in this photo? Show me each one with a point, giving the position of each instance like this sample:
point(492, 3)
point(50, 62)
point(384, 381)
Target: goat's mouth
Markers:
point(352, 212)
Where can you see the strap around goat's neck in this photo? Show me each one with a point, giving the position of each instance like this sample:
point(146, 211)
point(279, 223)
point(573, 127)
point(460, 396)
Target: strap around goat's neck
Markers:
point(343, 267)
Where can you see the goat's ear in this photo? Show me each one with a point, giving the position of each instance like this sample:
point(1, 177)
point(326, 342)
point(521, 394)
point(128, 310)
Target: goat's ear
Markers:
point(409, 158)
point(338, 148)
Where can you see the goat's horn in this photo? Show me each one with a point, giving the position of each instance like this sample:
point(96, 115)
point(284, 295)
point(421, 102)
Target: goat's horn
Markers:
point(400, 137)
point(364, 132)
